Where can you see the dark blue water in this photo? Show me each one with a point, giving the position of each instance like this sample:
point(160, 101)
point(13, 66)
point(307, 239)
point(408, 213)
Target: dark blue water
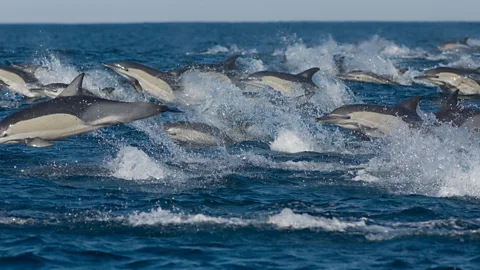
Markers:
point(296, 195)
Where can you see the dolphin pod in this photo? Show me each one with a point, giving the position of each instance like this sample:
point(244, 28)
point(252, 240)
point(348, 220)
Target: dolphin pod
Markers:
point(74, 110)
point(69, 114)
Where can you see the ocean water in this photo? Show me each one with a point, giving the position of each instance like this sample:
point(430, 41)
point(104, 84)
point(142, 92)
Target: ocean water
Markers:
point(293, 195)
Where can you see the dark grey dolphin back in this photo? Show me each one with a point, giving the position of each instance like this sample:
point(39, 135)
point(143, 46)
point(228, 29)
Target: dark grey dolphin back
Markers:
point(106, 112)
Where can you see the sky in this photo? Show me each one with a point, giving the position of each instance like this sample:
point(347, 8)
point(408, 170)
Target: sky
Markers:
point(124, 11)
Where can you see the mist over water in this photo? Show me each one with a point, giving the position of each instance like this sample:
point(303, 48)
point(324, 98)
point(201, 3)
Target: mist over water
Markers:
point(288, 192)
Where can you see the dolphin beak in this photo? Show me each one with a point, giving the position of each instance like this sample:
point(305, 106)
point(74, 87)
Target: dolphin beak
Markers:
point(112, 66)
point(327, 118)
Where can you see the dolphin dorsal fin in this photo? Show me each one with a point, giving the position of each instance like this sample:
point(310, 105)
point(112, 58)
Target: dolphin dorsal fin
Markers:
point(410, 104)
point(464, 41)
point(230, 62)
point(308, 74)
point(450, 103)
point(74, 88)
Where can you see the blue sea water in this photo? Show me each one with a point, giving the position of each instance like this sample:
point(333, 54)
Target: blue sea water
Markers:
point(294, 195)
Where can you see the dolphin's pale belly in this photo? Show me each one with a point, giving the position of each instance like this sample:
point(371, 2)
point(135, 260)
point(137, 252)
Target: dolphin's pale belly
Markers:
point(370, 123)
point(48, 127)
point(155, 86)
point(287, 88)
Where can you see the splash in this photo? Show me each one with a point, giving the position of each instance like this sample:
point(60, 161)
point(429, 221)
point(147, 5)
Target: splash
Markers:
point(134, 164)
point(289, 142)
point(442, 162)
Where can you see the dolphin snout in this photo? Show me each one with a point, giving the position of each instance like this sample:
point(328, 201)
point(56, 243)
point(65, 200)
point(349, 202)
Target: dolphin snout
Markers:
point(109, 65)
point(329, 117)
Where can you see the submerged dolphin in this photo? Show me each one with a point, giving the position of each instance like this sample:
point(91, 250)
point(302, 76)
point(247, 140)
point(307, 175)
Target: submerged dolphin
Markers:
point(365, 76)
point(196, 134)
point(55, 89)
point(454, 45)
point(467, 81)
point(31, 69)
point(285, 83)
point(70, 114)
point(18, 81)
point(223, 67)
point(160, 85)
point(451, 112)
point(375, 120)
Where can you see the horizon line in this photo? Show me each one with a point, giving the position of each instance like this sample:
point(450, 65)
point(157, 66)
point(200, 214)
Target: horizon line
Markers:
point(238, 22)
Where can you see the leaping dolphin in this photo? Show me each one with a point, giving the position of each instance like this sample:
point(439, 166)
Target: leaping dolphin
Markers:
point(160, 85)
point(70, 114)
point(375, 120)
point(450, 79)
point(18, 81)
point(285, 83)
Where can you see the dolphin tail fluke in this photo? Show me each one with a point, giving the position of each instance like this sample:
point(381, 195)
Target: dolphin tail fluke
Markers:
point(74, 88)
point(410, 104)
point(230, 64)
point(308, 74)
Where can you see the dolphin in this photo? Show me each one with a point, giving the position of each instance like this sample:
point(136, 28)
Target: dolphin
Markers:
point(449, 79)
point(375, 120)
point(223, 67)
point(454, 45)
point(31, 69)
point(71, 113)
point(457, 115)
point(225, 71)
point(365, 76)
point(285, 83)
point(55, 89)
point(160, 85)
point(196, 134)
point(18, 81)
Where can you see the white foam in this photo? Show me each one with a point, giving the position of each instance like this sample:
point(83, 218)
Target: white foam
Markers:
point(441, 162)
point(134, 164)
point(164, 217)
point(289, 142)
point(287, 219)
